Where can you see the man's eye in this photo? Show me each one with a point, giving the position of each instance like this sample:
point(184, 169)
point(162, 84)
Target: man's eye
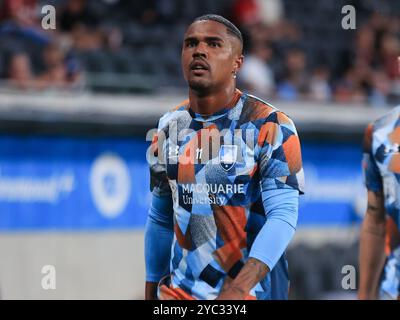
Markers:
point(214, 44)
point(190, 44)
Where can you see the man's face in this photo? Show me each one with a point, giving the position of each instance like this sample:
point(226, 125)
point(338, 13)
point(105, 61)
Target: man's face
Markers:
point(209, 56)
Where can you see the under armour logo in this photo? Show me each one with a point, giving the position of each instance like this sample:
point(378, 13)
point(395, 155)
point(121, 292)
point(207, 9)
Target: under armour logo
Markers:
point(392, 149)
point(173, 151)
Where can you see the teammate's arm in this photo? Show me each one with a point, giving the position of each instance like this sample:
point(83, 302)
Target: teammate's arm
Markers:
point(372, 245)
point(373, 229)
point(158, 240)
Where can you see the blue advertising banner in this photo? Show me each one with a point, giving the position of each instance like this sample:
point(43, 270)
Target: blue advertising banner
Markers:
point(335, 193)
point(66, 183)
point(96, 183)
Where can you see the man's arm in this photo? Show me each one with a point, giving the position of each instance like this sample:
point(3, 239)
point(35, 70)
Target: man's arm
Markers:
point(372, 246)
point(280, 202)
point(252, 272)
point(158, 240)
point(281, 209)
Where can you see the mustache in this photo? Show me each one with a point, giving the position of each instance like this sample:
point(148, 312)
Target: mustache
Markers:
point(199, 61)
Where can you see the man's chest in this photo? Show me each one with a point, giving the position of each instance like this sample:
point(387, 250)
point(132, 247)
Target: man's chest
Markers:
point(210, 167)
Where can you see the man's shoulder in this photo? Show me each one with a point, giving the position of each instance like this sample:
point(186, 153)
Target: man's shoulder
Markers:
point(388, 119)
point(258, 110)
point(174, 113)
point(184, 105)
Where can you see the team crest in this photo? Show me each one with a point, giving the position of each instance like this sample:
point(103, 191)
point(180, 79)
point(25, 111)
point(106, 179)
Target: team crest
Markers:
point(228, 156)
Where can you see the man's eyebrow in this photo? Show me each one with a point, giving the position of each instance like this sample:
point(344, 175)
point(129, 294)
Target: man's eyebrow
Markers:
point(212, 38)
point(190, 39)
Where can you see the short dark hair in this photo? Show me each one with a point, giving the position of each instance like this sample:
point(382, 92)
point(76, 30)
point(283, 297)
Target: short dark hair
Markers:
point(232, 29)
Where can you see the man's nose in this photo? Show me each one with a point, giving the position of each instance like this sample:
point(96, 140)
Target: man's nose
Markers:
point(200, 51)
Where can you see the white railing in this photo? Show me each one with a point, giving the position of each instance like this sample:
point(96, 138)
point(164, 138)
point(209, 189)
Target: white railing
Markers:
point(81, 105)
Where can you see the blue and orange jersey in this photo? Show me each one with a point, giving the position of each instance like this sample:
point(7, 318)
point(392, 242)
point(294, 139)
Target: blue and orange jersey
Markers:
point(381, 167)
point(215, 168)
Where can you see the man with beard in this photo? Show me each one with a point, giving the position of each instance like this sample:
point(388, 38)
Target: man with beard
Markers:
point(225, 192)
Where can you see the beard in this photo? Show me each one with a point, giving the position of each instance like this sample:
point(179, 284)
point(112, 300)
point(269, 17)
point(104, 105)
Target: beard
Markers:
point(200, 86)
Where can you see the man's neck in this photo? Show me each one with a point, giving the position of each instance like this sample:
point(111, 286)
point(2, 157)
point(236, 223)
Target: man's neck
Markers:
point(212, 103)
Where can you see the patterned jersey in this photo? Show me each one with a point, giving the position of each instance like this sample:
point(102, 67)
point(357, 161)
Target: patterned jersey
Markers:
point(215, 171)
point(381, 166)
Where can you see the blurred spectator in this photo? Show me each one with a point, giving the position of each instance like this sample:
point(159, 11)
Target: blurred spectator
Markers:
point(22, 12)
point(390, 50)
point(258, 34)
point(114, 36)
point(245, 12)
point(372, 75)
point(295, 83)
point(271, 11)
point(256, 75)
point(20, 18)
point(349, 89)
point(365, 45)
point(380, 89)
point(80, 25)
point(320, 89)
point(286, 33)
point(20, 72)
point(249, 12)
point(76, 12)
point(56, 73)
point(85, 39)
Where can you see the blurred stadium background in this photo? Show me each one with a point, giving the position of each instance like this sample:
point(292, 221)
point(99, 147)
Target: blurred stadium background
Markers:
point(77, 102)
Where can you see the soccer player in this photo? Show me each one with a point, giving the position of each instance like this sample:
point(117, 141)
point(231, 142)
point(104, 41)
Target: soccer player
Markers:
point(379, 256)
point(225, 192)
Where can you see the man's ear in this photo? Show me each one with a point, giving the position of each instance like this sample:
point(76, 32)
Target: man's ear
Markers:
point(238, 63)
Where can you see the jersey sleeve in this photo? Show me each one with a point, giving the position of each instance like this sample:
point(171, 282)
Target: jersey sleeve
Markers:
point(159, 185)
point(281, 207)
point(158, 237)
point(371, 173)
point(279, 160)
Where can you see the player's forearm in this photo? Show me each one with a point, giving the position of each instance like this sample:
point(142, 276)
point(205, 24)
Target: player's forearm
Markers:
point(274, 237)
point(252, 272)
point(281, 208)
point(372, 256)
point(158, 240)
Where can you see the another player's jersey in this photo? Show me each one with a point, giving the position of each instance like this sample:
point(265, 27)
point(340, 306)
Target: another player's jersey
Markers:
point(381, 166)
point(215, 171)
